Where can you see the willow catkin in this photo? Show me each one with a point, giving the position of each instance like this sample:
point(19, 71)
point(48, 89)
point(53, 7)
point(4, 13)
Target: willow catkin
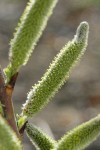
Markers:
point(57, 73)
point(39, 139)
point(28, 32)
point(8, 139)
point(80, 137)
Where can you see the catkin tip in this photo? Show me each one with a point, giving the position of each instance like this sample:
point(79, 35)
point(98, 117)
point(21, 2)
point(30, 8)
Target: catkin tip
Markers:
point(82, 32)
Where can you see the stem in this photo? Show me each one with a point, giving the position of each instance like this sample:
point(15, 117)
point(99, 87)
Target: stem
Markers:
point(2, 92)
point(21, 131)
point(6, 100)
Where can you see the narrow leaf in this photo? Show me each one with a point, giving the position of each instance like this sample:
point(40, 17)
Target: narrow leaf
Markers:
point(8, 139)
point(39, 139)
point(81, 136)
point(28, 32)
point(57, 73)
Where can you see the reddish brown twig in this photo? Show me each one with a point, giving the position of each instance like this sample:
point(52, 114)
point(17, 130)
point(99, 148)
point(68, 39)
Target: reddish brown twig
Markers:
point(6, 100)
point(21, 131)
point(2, 92)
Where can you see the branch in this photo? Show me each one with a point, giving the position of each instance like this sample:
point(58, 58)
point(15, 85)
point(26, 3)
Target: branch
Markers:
point(2, 93)
point(5, 98)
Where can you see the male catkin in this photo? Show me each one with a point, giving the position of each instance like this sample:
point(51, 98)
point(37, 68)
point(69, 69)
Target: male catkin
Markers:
point(57, 73)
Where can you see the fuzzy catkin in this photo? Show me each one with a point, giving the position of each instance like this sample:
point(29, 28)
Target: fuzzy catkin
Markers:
point(39, 139)
point(57, 73)
point(8, 139)
point(28, 32)
point(80, 137)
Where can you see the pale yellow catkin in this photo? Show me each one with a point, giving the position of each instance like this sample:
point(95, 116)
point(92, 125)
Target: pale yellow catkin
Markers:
point(28, 32)
point(8, 139)
point(80, 137)
point(57, 73)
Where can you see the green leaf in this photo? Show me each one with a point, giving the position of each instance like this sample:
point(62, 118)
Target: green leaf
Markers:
point(39, 139)
point(21, 121)
point(28, 32)
point(8, 139)
point(57, 73)
point(80, 137)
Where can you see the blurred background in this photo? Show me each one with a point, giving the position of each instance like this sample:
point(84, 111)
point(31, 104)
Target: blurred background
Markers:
point(79, 99)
